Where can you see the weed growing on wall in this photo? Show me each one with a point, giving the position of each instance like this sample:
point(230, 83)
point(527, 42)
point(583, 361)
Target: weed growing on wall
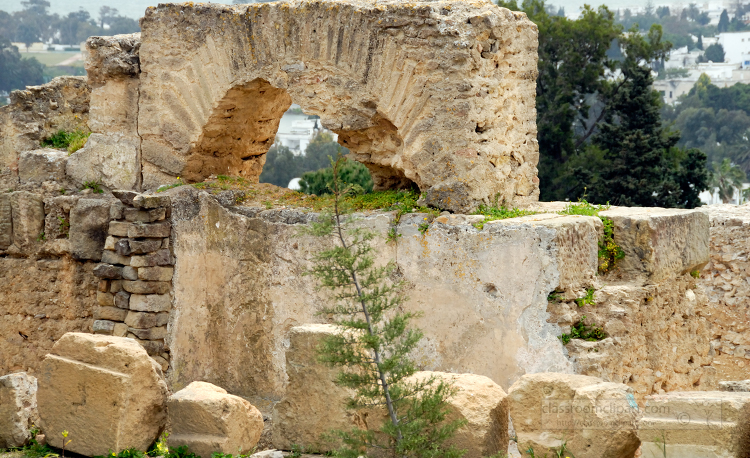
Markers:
point(372, 351)
point(71, 141)
point(496, 212)
point(581, 330)
point(588, 299)
point(609, 251)
point(94, 185)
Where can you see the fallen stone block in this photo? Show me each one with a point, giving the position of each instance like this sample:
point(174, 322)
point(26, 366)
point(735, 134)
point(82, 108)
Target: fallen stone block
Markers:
point(42, 165)
point(207, 419)
point(696, 424)
point(18, 409)
point(593, 418)
point(313, 404)
point(659, 243)
point(105, 391)
point(483, 405)
point(741, 386)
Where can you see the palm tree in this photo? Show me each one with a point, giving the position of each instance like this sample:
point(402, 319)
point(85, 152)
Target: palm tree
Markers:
point(727, 177)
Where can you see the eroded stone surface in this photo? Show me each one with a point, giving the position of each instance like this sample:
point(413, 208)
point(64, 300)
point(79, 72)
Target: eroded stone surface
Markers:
point(437, 94)
point(18, 409)
point(207, 419)
point(541, 406)
point(105, 391)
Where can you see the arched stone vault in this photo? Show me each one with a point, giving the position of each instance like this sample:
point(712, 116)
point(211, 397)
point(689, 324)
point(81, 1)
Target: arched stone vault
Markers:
point(440, 94)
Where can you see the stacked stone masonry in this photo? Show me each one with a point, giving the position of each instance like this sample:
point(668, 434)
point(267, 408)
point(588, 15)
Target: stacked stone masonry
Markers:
point(134, 296)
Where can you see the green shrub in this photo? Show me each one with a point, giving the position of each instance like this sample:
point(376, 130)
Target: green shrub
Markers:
point(351, 173)
point(72, 141)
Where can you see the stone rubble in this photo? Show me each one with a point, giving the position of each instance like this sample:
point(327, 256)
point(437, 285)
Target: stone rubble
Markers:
point(18, 409)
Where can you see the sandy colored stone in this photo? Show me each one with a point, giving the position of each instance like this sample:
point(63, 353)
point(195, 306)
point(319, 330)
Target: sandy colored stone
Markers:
point(110, 257)
point(41, 165)
point(113, 377)
point(6, 221)
point(697, 424)
point(313, 404)
point(120, 330)
point(157, 230)
point(146, 287)
point(602, 423)
point(110, 313)
point(155, 273)
point(151, 201)
point(207, 419)
point(143, 320)
point(150, 302)
point(741, 386)
point(457, 120)
point(109, 158)
point(28, 219)
point(119, 228)
point(150, 333)
point(659, 243)
point(483, 405)
point(18, 409)
point(89, 223)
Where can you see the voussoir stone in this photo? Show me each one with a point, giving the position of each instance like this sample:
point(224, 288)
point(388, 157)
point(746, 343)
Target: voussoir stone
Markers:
point(105, 391)
point(207, 419)
point(594, 417)
point(18, 409)
point(146, 287)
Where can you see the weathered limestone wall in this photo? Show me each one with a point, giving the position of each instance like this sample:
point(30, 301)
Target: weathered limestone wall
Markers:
point(725, 280)
point(440, 94)
point(239, 288)
point(35, 114)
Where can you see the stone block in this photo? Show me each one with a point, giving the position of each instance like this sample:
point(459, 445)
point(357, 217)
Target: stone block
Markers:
point(115, 210)
point(105, 327)
point(155, 273)
point(110, 257)
point(146, 287)
point(313, 403)
point(42, 165)
point(659, 243)
point(135, 215)
point(105, 299)
point(158, 258)
point(6, 221)
point(89, 224)
point(162, 362)
point(28, 219)
point(109, 243)
point(103, 286)
point(18, 409)
point(150, 333)
point(150, 302)
point(696, 424)
point(111, 158)
point(147, 201)
point(548, 407)
point(120, 330)
point(110, 313)
point(122, 300)
point(144, 246)
point(207, 419)
point(155, 230)
point(741, 386)
point(104, 270)
point(122, 247)
point(152, 347)
point(104, 390)
point(130, 273)
point(125, 196)
point(143, 320)
point(483, 405)
point(119, 228)
point(115, 286)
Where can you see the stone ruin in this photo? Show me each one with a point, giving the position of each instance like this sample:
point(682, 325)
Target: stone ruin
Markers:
point(206, 294)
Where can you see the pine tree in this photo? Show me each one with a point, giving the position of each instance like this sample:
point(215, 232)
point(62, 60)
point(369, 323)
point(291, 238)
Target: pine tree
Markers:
point(373, 349)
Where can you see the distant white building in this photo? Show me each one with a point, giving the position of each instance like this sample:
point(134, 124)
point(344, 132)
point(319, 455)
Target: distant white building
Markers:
point(736, 47)
point(297, 130)
point(721, 74)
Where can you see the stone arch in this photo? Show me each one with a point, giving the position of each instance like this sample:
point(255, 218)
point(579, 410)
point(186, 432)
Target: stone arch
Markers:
point(440, 94)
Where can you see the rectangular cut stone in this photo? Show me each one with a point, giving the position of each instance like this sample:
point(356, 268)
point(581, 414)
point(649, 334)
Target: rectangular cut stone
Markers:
point(89, 223)
point(119, 228)
point(696, 424)
point(659, 243)
point(115, 286)
point(105, 299)
point(151, 201)
point(105, 270)
point(146, 287)
point(150, 333)
point(122, 300)
point(144, 216)
point(150, 302)
point(110, 257)
point(42, 165)
point(104, 285)
point(130, 273)
point(155, 273)
point(103, 327)
point(144, 246)
point(105, 390)
point(120, 330)
point(28, 218)
point(109, 244)
point(110, 313)
point(143, 320)
point(159, 258)
point(6, 222)
point(155, 230)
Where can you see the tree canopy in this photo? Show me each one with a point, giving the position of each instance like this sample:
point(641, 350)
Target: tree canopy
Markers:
point(15, 71)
